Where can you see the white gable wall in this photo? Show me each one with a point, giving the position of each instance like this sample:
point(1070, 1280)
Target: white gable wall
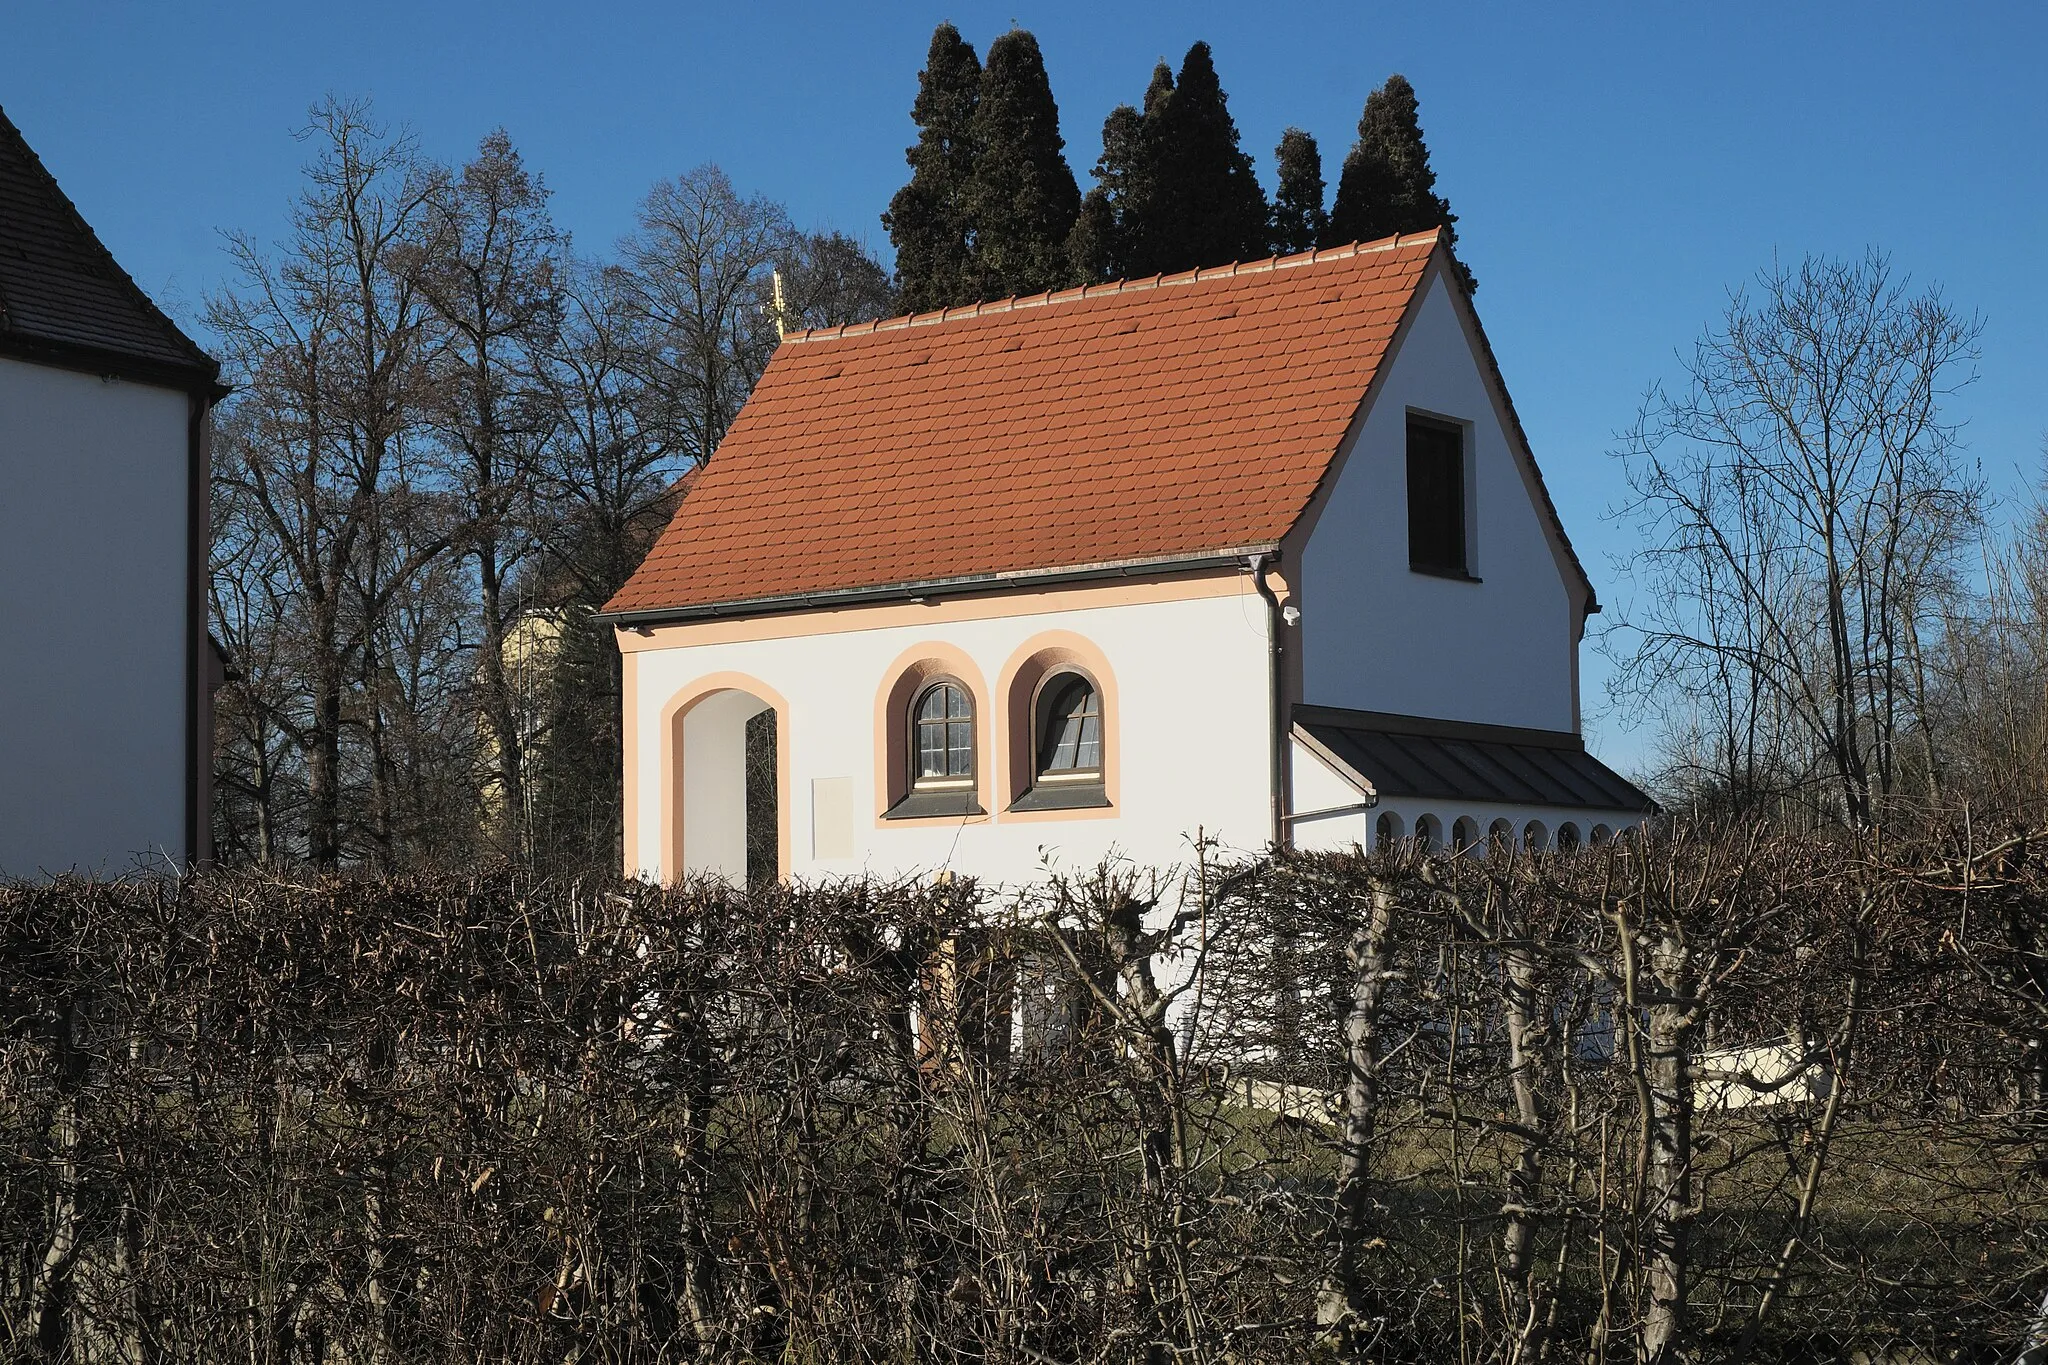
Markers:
point(1189, 722)
point(1375, 635)
point(93, 684)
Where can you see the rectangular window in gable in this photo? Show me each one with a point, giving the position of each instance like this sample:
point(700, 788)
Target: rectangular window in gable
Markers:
point(1436, 498)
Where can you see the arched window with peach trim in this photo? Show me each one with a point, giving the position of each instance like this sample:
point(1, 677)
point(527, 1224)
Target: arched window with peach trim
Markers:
point(931, 737)
point(1068, 742)
point(1060, 715)
point(942, 737)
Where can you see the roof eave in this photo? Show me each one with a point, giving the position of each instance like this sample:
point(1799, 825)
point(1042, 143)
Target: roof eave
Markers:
point(200, 380)
point(1332, 759)
point(964, 586)
point(1520, 434)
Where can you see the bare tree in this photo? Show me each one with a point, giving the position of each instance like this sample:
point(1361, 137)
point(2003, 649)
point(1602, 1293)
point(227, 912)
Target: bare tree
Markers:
point(829, 278)
point(323, 341)
point(605, 483)
point(1802, 500)
point(258, 767)
point(487, 267)
point(1988, 723)
point(696, 272)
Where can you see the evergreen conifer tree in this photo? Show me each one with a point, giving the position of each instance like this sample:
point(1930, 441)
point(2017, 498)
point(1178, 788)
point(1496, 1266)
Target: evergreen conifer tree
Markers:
point(1173, 188)
point(1387, 185)
point(928, 219)
point(1022, 199)
point(1094, 247)
point(1299, 221)
point(1209, 208)
point(1102, 247)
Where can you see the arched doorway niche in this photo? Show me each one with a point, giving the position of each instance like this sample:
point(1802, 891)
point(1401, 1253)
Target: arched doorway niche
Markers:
point(727, 782)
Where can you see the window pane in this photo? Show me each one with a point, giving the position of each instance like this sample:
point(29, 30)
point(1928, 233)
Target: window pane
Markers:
point(1065, 747)
point(1072, 736)
point(945, 733)
point(1089, 752)
point(1436, 497)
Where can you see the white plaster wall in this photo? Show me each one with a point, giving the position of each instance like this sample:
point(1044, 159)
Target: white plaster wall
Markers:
point(92, 621)
point(1322, 794)
point(1190, 725)
point(1343, 832)
point(1377, 636)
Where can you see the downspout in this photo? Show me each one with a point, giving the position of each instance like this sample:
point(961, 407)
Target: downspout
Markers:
point(1276, 719)
point(198, 696)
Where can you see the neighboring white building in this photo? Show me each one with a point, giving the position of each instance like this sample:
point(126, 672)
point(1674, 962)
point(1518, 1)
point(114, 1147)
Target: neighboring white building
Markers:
point(1255, 553)
point(105, 665)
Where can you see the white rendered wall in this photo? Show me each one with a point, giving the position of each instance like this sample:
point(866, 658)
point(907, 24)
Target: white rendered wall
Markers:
point(1320, 801)
point(1377, 636)
point(92, 622)
point(1356, 830)
point(1189, 723)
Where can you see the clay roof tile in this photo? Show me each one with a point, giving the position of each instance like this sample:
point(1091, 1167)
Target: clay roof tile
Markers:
point(1179, 415)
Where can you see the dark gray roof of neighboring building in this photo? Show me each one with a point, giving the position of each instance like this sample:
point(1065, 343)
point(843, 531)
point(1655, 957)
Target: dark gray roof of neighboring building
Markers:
point(63, 298)
point(1414, 756)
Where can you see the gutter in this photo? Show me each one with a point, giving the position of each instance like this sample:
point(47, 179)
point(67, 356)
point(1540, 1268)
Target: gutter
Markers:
point(964, 586)
point(198, 696)
point(1276, 728)
point(200, 380)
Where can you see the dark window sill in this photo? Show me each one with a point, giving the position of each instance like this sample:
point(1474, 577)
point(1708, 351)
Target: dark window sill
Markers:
point(1436, 571)
point(920, 805)
point(1063, 796)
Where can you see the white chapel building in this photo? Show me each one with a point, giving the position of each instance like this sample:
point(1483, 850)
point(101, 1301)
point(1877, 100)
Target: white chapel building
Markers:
point(106, 670)
point(1256, 554)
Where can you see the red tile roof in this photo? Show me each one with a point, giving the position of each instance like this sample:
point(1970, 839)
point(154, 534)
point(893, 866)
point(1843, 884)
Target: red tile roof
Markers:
point(1155, 419)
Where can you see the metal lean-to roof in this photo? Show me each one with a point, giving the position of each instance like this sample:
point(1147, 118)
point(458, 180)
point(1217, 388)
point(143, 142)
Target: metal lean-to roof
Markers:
point(1417, 757)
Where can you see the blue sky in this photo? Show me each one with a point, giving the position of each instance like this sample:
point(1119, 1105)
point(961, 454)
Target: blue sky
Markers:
point(1616, 167)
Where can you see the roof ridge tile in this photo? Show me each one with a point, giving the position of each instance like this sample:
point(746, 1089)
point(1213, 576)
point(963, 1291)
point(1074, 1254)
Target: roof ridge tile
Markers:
point(1105, 288)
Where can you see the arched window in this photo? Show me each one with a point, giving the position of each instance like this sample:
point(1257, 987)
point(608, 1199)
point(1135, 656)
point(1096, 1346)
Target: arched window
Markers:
point(1465, 835)
point(1429, 834)
point(942, 747)
point(1535, 837)
point(1601, 834)
point(1069, 730)
point(1567, 837)
point(1500, 837)
point(1387, 831)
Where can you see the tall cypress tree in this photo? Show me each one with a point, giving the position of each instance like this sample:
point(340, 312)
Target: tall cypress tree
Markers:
point(1022, 199)
point(1209, 208)
point(1299, 221)
point(928, 219)
point(1174, 189)
point(1387, 185)
point(1101, 247)
point(1096, 249)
